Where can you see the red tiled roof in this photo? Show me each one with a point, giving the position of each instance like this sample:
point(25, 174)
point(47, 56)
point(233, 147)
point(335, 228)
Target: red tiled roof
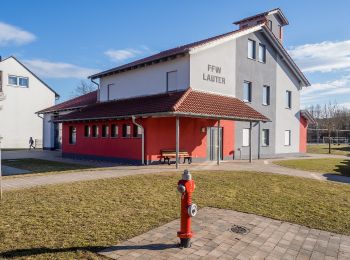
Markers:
point(75, 103)
point(182, 103)
point(164, 54)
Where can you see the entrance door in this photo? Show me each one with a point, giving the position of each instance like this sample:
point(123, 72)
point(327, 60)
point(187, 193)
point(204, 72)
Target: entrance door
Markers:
point(213, 143)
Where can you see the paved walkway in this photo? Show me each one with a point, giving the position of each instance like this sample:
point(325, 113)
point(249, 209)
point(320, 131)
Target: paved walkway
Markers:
point(265, 239)
point(120, 171)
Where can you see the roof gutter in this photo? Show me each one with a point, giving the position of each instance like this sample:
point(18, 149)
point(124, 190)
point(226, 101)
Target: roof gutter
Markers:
point(98, 89)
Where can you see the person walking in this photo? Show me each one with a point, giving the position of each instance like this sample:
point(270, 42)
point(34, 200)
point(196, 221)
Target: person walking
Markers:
point(31, 143)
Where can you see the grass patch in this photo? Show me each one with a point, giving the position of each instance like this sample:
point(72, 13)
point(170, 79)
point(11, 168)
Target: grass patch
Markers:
point(43, 166)
point(325, 165)
point(342, 149)
point(75, 220)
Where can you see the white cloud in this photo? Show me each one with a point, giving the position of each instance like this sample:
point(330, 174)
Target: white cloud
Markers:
point(47, 69)
point(322, 57)
point(125, 54)
point(10, 34)
point(328, 91)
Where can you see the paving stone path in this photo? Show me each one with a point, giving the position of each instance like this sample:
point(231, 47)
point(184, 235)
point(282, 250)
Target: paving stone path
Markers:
point(266, 239)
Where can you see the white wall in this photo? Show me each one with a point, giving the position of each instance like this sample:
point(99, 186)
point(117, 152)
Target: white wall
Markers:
point(222, 56)
point(287, 119)
point(145, 81)
point(18, 120)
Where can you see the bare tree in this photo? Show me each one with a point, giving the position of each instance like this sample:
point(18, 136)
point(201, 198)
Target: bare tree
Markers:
point(83, 88)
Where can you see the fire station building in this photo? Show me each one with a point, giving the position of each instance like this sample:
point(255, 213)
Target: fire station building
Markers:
point(232, 96)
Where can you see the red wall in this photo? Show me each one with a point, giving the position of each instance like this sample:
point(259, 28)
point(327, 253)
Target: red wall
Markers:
point(303, 135)
point(159, 134)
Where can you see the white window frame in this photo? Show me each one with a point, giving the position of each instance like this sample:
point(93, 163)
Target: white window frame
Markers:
point(251, 52)
point(262, 51)
point(115, 129)
point(249, 88)
point(72, 135)
point(288, 99)
point(265, 137)
point(18, 78)
point(266, 95)
point(245, 137)
point(287, 137)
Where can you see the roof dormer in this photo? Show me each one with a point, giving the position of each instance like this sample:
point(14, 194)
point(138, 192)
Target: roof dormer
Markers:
point(274, 20)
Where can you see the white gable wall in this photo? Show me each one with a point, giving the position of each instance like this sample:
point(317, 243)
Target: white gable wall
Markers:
point(145, 81)
point(18, 120)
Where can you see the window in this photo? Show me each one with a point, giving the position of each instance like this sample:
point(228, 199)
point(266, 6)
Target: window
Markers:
point(288, 99)
point(105, 130)
point(72, 135)
point(94, 131)
point(18, 81)
point(23, 82)
point(251, 49)
point(171, 81)
point(246, 137)
point(114, 130)
point(126, 130)
point(247, 91)
point(13, 80)
point(262, 53)
point(280, 32)
point(269, 24)
point(266, 95)
point(287, 138)
point(265, 137)
point(137, 131)
point(87, 131)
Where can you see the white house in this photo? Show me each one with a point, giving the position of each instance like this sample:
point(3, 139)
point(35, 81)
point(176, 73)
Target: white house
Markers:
point(25, 94)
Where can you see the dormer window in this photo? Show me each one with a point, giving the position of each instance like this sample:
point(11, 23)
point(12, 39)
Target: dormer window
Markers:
point(269, 24)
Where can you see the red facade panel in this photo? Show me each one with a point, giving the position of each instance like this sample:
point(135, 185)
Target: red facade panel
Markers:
point(303, 134)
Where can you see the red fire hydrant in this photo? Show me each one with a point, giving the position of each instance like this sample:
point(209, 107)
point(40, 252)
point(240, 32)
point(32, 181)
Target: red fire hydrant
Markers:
point(186, 187)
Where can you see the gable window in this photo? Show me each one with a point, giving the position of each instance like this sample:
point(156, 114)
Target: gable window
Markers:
point(288, 99)
point(262, 53)
point(266, 95)
point(137, 131)
point(171, 81)
point(126, 130)
point(87, 131)
point(265, 137)
point(251, 49)
point(105, 130)
point(94, 131)
point(13, 80)
point(246, 137)
point(287, 138)
point(280, 32)
point(72, 135)
point(114, 130)
point(18, 81)
point(247, 91)
point(269, 24)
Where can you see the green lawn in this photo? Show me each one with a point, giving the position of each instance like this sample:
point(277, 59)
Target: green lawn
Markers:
point(75, 220)
point(43, 166)
point(342, 149)
point(325, 165)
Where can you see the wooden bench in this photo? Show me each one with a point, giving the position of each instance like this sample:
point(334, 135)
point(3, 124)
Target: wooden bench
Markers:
point(168, 154)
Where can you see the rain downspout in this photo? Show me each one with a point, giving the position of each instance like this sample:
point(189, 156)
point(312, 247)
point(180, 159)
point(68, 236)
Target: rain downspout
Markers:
point(98, 89)
point(142, 139)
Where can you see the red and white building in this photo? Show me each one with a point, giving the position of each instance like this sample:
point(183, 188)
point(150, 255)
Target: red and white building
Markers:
point(232, 96)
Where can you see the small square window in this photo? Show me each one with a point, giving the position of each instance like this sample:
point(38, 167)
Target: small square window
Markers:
point(114, 130)
point(13, 80)
point(247, 91)
point(23, 82)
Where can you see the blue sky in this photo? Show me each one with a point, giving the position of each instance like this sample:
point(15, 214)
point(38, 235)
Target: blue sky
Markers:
point(65, 41)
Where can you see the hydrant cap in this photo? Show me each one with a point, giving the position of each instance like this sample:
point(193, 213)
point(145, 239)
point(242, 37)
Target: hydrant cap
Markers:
point(186, 176)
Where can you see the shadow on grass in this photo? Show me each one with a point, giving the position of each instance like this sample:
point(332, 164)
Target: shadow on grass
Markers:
point(31, 252)
point(343, 168)
point(342, 172)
